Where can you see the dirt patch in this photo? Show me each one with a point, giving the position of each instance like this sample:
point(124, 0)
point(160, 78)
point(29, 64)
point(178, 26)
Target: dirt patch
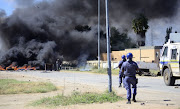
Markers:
point(20, 101)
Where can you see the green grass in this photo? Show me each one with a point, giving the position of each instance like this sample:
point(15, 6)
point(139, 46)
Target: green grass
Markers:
point(154, 72)
point(98, 71)
point(77, 98)
point(104, 71)
point(11, 86)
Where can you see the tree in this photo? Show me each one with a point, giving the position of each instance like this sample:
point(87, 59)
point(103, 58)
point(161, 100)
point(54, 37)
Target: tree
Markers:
point(140, 26)
point(120, 41)
point(168, 31)
point(82, 28)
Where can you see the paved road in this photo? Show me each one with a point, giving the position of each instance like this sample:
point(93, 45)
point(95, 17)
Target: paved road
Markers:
point(149, 83)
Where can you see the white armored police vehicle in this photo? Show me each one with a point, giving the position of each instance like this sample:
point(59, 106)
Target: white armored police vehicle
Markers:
point(170, 60)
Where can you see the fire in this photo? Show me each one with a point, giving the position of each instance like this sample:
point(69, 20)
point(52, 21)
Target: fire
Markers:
point(2, 68)
point(26, 67)
point(13, 66)
point(31, 68)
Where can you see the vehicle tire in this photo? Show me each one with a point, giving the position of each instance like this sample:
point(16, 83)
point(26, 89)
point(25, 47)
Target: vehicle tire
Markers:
point(158, 74)
point(168, 79)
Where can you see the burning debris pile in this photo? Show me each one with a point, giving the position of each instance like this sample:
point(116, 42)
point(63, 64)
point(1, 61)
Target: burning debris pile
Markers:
point(46, 31)
point(26, 67)
point(14, 67)
point(2, 68)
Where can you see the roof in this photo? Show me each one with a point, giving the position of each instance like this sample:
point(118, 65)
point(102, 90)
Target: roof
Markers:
point(175, 37)
point(146, 47)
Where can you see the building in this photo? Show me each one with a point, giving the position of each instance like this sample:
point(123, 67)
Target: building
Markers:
point(148, 54)
point(145, 54)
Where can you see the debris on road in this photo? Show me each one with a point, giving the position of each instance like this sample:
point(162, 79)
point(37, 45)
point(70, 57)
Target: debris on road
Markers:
point(142, 103)
point(176, 87)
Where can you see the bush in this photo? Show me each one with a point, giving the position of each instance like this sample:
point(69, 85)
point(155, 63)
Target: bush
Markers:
point(78, 98)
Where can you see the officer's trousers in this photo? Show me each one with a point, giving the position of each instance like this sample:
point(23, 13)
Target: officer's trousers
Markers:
point(57, 67)
point(120, 77)
point(128, 81)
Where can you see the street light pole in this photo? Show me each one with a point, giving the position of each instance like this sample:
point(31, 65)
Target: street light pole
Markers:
point(108, 47)
point(99, 34)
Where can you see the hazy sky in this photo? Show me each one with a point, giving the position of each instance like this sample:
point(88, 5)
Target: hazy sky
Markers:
point(7, 5)
point(10, 5)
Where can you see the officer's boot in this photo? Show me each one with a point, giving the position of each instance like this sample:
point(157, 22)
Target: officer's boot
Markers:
point(129, 102)
point(120, 85)
point(134, 98)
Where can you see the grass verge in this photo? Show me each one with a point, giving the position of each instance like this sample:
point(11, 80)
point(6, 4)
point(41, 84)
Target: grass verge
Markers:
point(11, 86)
point(104, 71)
point(155, 72)
point(96, 70)
point(77, 98)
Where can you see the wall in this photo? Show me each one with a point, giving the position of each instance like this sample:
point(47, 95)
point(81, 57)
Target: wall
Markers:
point(145, 54)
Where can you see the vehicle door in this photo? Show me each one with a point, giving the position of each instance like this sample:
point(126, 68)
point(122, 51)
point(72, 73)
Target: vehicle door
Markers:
point(174, 60)
point(164, 57)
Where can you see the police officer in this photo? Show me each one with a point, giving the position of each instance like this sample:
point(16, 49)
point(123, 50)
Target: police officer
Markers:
point(129, 71)
point(57, 65)
point(120, 73)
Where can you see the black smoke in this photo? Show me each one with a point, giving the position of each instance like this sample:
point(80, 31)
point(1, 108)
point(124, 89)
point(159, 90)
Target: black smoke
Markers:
point(44, 31)
point(2, 13)
point(152, 8)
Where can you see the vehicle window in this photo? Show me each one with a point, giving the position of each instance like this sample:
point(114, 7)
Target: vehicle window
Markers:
point(165, 51)
point(173, 54)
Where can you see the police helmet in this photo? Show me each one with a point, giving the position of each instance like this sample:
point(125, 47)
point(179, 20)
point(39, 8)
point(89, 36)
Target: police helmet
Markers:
point(129, 56)
point(123, 57)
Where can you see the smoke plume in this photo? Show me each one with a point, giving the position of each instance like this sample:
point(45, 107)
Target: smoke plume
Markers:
point(40, 32)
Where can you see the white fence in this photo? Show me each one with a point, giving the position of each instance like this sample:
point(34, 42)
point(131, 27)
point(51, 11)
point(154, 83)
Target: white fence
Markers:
point(103, 64)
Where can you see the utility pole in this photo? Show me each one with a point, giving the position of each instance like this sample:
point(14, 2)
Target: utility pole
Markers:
point(99, 34)
point(108, 47)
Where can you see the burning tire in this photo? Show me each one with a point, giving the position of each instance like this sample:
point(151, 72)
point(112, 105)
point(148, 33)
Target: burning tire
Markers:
point(168, 79)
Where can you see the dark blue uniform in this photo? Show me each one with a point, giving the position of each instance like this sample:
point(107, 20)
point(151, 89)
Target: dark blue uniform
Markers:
point(129, 71)
point(120, 73)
